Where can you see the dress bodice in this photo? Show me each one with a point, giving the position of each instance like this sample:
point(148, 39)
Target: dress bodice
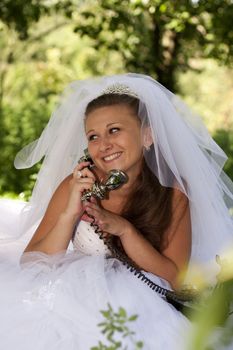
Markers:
point(87, 241)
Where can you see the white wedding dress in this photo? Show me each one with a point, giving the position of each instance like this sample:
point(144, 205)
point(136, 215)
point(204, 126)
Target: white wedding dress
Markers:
point(54, 302)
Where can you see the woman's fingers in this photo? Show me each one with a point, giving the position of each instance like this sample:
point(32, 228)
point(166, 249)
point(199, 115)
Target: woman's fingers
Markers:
point(86, 218)
point(101, 219)
point(87, 180)
point(107, 221)
point(82, 165)
point(81, 185)
point(93, 211)
point(93, 200)
point(82, 171)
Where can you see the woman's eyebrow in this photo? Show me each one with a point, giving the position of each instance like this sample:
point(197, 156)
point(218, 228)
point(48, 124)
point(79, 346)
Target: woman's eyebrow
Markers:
point(89, 131)
point(106, 125)
point(113, 123)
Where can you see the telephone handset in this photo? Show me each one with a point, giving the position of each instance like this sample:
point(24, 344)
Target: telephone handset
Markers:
point(115, 179)
point(86, 158)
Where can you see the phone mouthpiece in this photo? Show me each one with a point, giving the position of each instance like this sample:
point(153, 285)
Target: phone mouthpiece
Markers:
point(116, 178)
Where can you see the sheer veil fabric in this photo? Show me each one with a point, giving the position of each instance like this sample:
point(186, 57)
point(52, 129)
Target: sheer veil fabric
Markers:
point(183, 155)
point(59, 297)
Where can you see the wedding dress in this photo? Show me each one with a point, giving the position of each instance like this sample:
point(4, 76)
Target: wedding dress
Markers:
point(54, 302)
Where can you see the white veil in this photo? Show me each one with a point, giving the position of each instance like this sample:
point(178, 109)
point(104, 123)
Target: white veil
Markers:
point(183, 155)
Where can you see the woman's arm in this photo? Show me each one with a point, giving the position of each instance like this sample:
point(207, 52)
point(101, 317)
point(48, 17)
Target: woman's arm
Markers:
point(55, 230)
point(177, 240)
point(65, 208)
point(175, 254)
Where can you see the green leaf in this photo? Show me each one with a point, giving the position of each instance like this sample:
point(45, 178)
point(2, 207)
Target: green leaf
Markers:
point(106, 314)
point(139, 345)
point(122, 312)
point(133, 318)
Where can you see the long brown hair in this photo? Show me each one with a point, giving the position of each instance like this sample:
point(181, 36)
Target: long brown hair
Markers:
point(149, 207)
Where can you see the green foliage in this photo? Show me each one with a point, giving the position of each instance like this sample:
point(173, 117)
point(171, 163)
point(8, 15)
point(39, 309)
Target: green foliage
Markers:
point(209, 92)
point(21, 14)
point(224, 139)
point(116, 326)
point(23, 118)
point(111, 36)
point(32, 73)
point(158, 37)
point(213, 322)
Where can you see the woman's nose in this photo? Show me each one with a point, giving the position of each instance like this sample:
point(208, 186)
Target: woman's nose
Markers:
point(105, 144)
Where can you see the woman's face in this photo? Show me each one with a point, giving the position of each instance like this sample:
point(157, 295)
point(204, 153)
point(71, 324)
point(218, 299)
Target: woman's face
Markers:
point(114, 139)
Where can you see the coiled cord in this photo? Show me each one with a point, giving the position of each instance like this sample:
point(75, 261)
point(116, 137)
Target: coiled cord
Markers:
point(177, 298)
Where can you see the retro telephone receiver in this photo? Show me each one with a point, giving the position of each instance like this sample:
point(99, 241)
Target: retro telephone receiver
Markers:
point(183, 299)
point(115, 179)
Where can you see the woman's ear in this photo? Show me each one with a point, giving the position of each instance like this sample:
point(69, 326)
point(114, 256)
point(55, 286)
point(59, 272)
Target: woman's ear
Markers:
point(147, 138)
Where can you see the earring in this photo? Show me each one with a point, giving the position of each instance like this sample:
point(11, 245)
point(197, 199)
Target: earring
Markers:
point(147, 148)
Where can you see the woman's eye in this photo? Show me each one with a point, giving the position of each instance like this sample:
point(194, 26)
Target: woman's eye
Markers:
point(113, 130)
point(92, 137)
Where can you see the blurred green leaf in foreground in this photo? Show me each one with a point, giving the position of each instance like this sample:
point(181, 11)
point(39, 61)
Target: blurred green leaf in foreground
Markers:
point(115, 328)
point(213, 322)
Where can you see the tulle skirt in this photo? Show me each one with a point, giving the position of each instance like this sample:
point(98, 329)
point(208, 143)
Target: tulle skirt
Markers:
point(54, 303)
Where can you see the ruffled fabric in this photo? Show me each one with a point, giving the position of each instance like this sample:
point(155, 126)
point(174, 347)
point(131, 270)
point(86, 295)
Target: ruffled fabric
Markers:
point(54, 302)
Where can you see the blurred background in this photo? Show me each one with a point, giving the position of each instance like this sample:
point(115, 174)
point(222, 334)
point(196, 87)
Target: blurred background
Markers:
point(187, 45)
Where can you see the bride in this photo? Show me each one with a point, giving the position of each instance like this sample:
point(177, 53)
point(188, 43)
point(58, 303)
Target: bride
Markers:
point(170, 213)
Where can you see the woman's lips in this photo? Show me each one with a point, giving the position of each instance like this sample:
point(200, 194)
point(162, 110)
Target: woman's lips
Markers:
point(112, 157)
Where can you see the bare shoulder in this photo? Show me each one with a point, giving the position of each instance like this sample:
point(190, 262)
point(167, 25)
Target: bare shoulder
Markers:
point(177, 238)
point(56, 205)
point(180, 203)
point(180, 208)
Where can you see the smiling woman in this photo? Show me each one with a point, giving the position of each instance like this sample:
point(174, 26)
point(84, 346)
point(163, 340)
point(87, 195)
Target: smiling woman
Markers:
point(114, 139)
point(162, 219)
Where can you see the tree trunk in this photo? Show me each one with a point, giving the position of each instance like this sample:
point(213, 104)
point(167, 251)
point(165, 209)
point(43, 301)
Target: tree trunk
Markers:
point(165, 58)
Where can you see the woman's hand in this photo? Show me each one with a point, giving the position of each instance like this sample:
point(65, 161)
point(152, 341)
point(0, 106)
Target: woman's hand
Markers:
point(83, 180)
point(107, 221)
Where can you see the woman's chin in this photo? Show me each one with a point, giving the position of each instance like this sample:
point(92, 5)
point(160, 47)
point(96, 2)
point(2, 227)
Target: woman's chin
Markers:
point(111, 165)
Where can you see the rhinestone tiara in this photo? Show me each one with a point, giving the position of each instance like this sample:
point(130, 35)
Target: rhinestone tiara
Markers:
point(120, 89)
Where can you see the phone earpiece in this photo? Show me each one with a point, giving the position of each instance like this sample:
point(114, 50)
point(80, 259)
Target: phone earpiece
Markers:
point(87, 158)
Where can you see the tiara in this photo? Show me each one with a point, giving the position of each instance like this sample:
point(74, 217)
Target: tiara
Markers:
point(119, 89)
